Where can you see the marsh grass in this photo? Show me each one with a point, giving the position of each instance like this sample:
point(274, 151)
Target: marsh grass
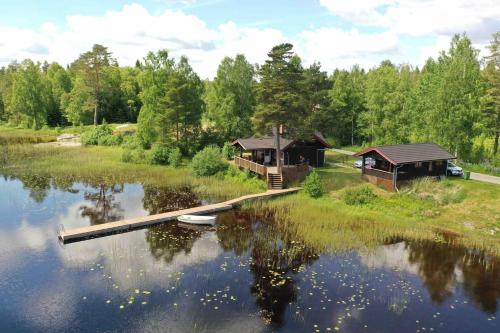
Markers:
point(103, 165)
point(10, 136)
point(452, 211)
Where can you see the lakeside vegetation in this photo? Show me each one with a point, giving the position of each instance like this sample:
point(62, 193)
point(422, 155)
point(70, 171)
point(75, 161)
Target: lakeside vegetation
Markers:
point(454, 211)
point(347, 214)
point(103, 165)
point(179, 119)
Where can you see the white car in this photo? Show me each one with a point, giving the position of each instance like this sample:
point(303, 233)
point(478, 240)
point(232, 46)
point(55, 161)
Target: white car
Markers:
point(368, 162)
point(454, 170)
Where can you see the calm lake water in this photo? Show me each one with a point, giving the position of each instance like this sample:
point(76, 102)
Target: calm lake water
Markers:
point(244, 275)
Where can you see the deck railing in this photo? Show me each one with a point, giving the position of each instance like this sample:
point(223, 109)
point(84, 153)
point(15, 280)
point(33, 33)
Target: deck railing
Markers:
point(378, 173)
point(252, 166)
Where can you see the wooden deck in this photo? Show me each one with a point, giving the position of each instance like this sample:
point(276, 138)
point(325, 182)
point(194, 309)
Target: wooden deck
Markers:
point(141, 222)
point(252, 166)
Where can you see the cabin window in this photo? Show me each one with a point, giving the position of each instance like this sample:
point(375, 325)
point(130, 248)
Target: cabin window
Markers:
point(418, 164)
point(439, 163)
point(430, 166)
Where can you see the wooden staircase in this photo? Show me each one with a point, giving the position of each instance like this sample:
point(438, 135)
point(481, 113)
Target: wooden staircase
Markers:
point(274, 181)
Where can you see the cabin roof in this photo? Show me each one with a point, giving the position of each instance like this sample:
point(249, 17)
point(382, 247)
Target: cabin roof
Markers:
point(410, 153)
point(269, 142)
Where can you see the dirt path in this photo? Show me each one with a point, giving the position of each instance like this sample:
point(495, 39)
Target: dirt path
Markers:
point(485, 178)
point(341, 151)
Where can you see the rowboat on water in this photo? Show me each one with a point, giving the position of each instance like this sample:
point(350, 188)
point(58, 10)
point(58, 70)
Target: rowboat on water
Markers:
point(197, 219)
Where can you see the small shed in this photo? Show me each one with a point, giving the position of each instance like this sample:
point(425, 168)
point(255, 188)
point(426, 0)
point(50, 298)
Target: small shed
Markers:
point(395, 164)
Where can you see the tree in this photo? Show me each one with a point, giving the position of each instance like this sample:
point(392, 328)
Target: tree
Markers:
point(182, 107)
point(490, 102)
point(91, 66)
point(58, 83)
point(315, 86)
point(28, 105)
point(130, 89)
point(347, 100)
point(152, 80)
point(278, 94)
point(230, 98)
point(79, 105)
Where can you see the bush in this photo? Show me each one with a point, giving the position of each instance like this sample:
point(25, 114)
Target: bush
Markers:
point(228, 151)
point(131, 142)
point(160, 155)
point(127, 156)
point(313, 186)
point(208, 162)
point(133, 156)
point(440, 192)
point(175, 157)
point(110, 140)
point(359, 195)
point(92, 136)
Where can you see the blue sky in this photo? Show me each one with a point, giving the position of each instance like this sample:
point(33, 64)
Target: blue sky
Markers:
point(337, 33)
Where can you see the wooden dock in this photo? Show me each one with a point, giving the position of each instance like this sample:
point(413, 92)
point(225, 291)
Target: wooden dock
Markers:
point(67, 236)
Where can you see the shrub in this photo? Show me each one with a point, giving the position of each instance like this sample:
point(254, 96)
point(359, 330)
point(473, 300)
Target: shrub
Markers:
point(175, 157)
point(110, 140)
point(359, 195)
point(313, 186)
point(439, 192)
point(208, 162)
point(127, 156)
point(131, 142)
point(92, 136)
point(228, 151)
point(133, 156)
point(160, 155)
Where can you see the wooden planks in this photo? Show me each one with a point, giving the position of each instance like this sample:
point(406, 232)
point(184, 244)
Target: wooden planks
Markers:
point(141, 222)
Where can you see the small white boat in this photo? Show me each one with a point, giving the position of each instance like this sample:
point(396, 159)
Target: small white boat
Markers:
point(197, 219)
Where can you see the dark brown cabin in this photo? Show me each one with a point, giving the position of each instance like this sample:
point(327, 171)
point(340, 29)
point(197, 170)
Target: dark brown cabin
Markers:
point(297, 157)
point(293, 152)
point(395, 164)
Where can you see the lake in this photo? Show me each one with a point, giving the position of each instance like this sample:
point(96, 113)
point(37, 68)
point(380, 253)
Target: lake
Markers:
point(246, 274)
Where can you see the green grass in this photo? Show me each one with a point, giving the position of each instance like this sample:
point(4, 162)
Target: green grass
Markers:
point(455, 211)
point(335, 157)
point(96, 165)
point(481, 168)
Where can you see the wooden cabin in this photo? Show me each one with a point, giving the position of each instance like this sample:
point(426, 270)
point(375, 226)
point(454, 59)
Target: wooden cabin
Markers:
point(396, 164)
point(297, 157)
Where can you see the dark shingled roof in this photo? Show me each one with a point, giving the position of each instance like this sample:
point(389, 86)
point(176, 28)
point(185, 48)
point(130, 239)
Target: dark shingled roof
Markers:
point(269, 142)
point(410, 153)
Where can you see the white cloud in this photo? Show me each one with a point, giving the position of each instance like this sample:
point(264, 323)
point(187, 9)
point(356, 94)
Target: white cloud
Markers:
point(131, 32)
point(334, 47)
point(479, 18)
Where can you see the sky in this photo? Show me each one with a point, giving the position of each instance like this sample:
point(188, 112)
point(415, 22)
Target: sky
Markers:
point(337, 33)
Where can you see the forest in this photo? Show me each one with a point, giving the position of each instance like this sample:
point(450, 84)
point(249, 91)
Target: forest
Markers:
point(453, 100)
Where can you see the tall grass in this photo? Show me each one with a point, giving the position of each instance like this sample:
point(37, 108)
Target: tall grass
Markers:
point(103, 165)
point(443, 211)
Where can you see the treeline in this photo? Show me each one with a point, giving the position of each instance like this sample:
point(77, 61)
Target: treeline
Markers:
point(453, 100)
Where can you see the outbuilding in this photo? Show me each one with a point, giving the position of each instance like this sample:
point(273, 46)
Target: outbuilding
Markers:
point(395, 164)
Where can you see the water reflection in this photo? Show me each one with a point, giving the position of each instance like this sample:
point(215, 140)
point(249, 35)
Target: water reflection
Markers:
point(162, 199)
point(246, 274)
point(103, 206)
point(442, 268)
